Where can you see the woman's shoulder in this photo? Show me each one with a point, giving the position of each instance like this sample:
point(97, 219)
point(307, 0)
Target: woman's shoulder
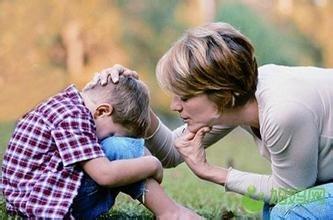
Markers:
point(272, 68)
point(307, 70)
point(279, 84)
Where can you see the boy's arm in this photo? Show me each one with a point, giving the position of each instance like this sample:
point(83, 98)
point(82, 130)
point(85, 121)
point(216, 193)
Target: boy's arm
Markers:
point(122, 172)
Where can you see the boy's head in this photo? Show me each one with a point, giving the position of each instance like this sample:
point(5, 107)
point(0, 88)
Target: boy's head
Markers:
point(121, 108)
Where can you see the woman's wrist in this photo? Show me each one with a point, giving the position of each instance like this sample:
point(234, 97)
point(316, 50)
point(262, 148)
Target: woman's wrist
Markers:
point(155, 125)
point(213, 174)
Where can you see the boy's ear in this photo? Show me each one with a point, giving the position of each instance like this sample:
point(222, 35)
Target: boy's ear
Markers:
point(102, 110)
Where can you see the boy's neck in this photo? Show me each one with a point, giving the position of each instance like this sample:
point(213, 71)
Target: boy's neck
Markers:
point(88, 102)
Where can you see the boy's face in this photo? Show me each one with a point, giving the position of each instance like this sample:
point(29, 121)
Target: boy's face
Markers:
point(105, 126)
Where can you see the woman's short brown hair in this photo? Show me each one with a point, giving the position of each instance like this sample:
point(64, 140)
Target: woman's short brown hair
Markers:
point(213, 59)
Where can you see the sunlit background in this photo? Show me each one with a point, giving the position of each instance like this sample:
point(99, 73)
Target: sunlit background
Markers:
point(46, 45)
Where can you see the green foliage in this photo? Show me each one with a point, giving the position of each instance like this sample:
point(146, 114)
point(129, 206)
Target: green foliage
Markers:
point(148, 30)
point(273, 44)
point(5, 134)
point(3, 213)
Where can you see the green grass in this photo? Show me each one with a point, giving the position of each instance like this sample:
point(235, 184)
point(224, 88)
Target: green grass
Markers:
point(5, 133)
point(207, 199)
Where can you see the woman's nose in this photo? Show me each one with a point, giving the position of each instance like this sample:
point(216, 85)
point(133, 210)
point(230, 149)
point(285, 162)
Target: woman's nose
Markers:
point(175, 104)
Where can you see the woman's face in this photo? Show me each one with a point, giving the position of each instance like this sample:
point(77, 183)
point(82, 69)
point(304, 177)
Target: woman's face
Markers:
point(196, 112)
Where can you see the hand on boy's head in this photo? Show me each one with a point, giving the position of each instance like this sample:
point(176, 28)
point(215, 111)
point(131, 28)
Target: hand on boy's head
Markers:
point(113, 73)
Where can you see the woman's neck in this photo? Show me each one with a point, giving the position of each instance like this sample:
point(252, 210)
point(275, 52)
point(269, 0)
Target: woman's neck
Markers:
point(244, 115)
point(250, 114)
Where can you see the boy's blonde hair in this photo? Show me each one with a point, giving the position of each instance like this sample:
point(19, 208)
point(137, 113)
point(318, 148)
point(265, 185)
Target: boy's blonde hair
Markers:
point(213, 59)
point(130, 101)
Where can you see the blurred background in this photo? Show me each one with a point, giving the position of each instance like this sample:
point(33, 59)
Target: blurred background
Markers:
point(47, 45)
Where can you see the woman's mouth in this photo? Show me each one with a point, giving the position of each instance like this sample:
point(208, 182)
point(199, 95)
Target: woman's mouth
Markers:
point(185, 119)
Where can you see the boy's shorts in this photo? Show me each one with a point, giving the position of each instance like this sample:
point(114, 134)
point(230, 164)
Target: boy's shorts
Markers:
point(94, 200)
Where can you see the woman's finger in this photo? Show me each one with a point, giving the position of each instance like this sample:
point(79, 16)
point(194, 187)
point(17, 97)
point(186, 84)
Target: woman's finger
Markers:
point(114, 75)
point(131, 73)
point(103, 78)
point(116, 71)
point(112, 72)
point(188, 136)
point(201, 133)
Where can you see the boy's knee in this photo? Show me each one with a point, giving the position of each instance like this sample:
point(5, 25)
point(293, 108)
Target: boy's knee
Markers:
point(278, 212)
point(118, 148)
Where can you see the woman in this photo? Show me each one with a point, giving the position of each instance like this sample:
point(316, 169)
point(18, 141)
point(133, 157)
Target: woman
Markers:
point(216, 86)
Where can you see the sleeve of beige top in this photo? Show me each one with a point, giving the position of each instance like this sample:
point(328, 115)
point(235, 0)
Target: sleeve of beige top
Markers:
point(161, 144)
point(291, 138)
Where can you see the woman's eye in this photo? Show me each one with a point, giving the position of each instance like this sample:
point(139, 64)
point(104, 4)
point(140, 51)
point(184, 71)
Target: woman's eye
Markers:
point(184, 99)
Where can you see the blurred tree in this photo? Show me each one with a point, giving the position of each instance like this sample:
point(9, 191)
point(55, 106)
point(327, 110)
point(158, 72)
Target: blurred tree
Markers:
point(148, 28)
point(208, 10)
point(273, 44)
point(33, 53)
point(36, 57)
point(74, 48)
point(315, 19)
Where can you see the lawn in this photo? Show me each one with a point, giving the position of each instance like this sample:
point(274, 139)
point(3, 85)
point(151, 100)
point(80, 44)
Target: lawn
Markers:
point(207, 199)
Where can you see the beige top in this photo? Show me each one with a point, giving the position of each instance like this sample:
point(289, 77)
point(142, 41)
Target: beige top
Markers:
point(296, 126)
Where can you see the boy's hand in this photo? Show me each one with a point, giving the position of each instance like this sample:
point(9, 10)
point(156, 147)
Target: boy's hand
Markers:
point(147, 152)
point(113, 73)
point(158, 175)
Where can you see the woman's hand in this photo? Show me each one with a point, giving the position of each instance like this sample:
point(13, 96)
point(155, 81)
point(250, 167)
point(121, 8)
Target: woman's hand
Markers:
point(112, 73)
point(190, 147)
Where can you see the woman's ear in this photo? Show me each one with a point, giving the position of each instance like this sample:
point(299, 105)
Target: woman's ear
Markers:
point(103, 110)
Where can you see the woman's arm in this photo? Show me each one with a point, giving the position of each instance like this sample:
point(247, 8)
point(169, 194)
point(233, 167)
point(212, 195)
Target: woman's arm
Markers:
point(161, 140)
point(291, 137)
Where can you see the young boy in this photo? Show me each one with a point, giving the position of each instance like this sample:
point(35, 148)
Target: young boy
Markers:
point(54, 156)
